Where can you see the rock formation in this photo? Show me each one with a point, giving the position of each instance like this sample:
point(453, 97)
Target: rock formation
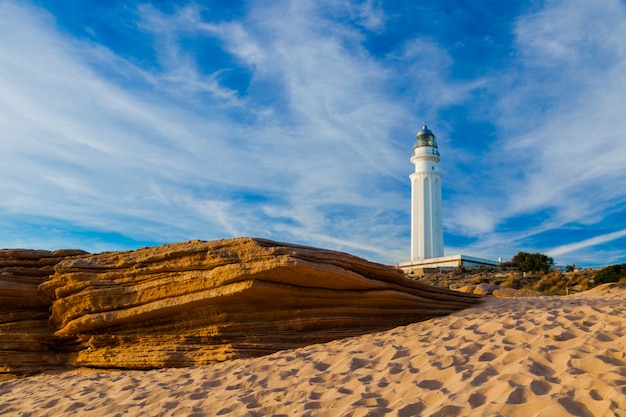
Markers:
point(200, 302)
point(483, 289)
point(26, 335)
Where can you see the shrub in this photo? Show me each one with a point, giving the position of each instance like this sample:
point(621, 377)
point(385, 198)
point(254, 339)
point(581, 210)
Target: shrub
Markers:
point(584, 283)
point(532, 262)
point(611, 273)
point(511, 282)
point(552, 284)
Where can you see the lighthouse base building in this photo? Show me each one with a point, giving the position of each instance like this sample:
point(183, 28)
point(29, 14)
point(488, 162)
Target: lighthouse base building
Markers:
point(426, 213)
point(445, 263)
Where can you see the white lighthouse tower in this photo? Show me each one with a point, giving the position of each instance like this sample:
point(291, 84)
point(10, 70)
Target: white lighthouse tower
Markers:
point(426, 218)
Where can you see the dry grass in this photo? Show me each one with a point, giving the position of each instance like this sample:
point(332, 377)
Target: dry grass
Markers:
point(552, 283)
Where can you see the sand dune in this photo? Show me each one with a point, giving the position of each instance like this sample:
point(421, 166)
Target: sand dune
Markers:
point(546, 356)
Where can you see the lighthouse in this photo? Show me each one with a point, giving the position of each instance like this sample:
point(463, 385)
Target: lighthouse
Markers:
point(426, 217)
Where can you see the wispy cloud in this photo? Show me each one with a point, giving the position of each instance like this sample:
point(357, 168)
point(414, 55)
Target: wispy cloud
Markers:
point(598, 240)
point(294, 120)
point(103, 156)
point(560, 112)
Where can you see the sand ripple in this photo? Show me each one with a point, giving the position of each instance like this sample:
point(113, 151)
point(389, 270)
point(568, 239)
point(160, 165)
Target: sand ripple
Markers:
point(508, 357)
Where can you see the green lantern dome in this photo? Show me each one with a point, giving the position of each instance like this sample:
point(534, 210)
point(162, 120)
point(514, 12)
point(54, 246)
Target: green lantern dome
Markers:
point(425, 138)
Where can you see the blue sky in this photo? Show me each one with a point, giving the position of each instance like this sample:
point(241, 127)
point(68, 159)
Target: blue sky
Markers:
point(125, 124)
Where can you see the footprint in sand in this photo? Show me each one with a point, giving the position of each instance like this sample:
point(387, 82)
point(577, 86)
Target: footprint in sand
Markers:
point(395, 368)
point(382, 383)
point(540, 387)
point(317, 380)
point(518, 396)
point(320, 366)
point(75, 407)
point(476, 400)
point(211, 384)
point(484, 376)
point(448, 411)
point(198, 396)
point(411, 410)
point(359, 363)
point(287, 374)
point(575, 408)
point(400, 353)
point(315, 396)
point(50, 404)
point(605, 337)
point(430, 384)
point(561, 337)
point(486, 357)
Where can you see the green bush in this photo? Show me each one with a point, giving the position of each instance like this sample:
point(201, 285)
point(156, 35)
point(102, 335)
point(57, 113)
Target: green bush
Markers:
point(611, 273)
point(532, 262)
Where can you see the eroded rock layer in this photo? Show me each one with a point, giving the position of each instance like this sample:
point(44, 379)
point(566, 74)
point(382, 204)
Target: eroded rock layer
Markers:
point(201, 302)
point(195, 303)
point(26, 335)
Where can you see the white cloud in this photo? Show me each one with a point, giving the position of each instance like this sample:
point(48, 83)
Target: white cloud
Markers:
point(136, 159)
point(574, 153)
point(369, 14)
point(306, 147)
point(78, 147)
point(594, 241)
point(560, 111)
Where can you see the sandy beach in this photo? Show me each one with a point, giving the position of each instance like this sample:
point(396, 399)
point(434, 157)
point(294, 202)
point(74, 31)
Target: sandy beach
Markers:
point(545, 356)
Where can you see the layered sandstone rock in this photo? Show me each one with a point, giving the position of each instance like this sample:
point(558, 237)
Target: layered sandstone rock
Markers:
point(26, 336)
point(201, 302)
point(196, 303)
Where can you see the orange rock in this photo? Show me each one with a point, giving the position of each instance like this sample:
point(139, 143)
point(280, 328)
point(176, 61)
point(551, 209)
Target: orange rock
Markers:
point(26, 336)
point(201, 302)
